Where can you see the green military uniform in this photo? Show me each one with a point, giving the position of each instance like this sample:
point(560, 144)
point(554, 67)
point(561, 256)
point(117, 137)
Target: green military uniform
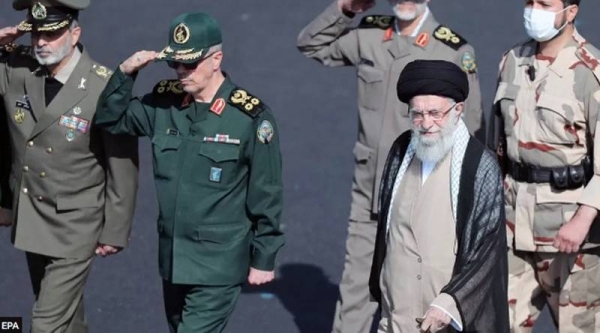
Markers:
point(70, 185)
point(217, 169)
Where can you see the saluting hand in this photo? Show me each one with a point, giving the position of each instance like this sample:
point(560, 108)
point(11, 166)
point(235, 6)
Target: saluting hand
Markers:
point(104, 250)
point(9, 35)
point(572, 234)
point(137, 61)
point(257, 277)
point(5, 217)
point(355, 6)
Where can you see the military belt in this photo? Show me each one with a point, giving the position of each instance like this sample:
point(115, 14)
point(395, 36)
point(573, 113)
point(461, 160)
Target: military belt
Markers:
point(560, 178)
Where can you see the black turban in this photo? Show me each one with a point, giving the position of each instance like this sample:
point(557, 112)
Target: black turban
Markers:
point(433, 77)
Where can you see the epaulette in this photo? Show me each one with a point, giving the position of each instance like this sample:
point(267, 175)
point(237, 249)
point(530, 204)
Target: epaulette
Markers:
point(10, 48)
point(589, 57)
point(102, 71)
point(449, 37)
point(376, 21)
point(249, 104)
point(173, 87)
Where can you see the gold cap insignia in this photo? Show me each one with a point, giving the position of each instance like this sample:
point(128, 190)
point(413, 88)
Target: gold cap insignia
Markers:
point(181, 34)
point(39, 11)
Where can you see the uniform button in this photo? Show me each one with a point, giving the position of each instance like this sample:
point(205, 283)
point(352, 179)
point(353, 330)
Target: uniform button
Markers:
point(49, 150)
point(25, 168)
point(43, 174)
point(40, 198)
point(30, 144)
point(418, 277)
point(25, 190)
point(419, 260)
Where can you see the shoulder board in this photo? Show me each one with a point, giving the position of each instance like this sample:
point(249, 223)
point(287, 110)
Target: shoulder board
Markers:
point(102, 71)
point(11, 48)
point(249, 104)
point(172, 87)
point(449, 37)
point(376, 21)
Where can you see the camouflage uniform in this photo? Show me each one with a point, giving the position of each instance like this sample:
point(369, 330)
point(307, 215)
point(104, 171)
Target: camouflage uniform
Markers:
point(549, 109)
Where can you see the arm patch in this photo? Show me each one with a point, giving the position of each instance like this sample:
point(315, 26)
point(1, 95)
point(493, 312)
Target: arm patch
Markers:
point(449, 37)
point(376, 21)
point(249, 104)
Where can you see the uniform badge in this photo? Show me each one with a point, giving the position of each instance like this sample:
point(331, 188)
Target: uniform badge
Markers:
point(215, 174)
point(218, 106)
point(74, 123)
point(422, 40)
point(467, 62)
point(222, 138)
point(81, 84)
point(24, 104)
point(181, 34)
point(265, 132)
point(77, 110)
point(389, 34)
point(70, 135)
point(39, 11)
point(19, 116)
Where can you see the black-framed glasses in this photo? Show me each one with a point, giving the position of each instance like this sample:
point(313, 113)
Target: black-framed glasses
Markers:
point(189, 67)
point(434, 114)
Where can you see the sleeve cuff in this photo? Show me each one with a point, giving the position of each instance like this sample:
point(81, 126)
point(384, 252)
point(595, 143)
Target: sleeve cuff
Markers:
point(591, 193)
point(446, 303)
point(262, 261)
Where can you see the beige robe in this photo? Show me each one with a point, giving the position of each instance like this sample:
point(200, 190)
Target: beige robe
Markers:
point(421, 249)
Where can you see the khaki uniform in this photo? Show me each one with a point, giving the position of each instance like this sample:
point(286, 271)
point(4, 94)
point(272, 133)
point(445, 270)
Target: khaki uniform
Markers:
point(414, 271)
point(379, 55)
point(72, 185)
point(549, 109)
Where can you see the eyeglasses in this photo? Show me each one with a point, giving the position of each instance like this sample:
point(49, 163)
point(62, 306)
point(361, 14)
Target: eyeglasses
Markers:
point(189, 67)
point(434, 114)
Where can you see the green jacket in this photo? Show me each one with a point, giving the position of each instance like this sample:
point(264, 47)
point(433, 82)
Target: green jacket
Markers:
point(217, 169)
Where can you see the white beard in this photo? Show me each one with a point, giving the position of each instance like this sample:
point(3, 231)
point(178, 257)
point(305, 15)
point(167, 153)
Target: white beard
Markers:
point(433, 150)
point(409, 16)
point(56, 56)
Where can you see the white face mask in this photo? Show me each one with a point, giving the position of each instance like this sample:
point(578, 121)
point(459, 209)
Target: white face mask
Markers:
point(540, 24)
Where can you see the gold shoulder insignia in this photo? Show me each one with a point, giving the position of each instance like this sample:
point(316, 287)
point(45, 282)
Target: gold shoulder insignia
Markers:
point(242, 100)
point(8, 48)
point(21, 50)
point(168, 86)
point(376, 21)
point(449, 37)
point(102, 72)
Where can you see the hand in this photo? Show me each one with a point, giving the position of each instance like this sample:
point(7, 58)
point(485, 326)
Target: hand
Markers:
point(104, 250)
point(5, 217)
point(572, 234)
point(9, 35)
point(435, 320)
point(137, 61)
point(257, 277)
point(355, 6)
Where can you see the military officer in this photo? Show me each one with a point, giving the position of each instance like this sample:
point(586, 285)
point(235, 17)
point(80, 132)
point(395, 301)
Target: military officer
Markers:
point(547, 103)
point(217, 168)
point(72, 186)
point(379, 48)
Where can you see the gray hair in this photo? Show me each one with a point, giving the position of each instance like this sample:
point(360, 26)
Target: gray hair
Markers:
point(215, 48)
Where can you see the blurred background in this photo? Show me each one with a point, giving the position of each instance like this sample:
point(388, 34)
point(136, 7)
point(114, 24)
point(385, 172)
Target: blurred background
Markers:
point(316, 111)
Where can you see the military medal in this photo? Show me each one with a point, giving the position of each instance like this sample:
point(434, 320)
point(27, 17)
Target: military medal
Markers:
point(77, 111)
point(218, 106)
point(19, 116)
point(70, 135)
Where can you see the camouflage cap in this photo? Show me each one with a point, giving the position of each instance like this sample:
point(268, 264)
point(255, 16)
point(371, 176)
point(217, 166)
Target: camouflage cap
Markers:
point(49, 15)
point(190, 37)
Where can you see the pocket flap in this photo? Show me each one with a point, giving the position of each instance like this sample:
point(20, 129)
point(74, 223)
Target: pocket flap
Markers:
point(166, 142)
point(369, 74)
point(361, 152)
point(220, 152)
point(222, 233)
point(88, 198)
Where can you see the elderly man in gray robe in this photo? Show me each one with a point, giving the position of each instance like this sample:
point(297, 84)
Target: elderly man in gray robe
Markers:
point(440, 260)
